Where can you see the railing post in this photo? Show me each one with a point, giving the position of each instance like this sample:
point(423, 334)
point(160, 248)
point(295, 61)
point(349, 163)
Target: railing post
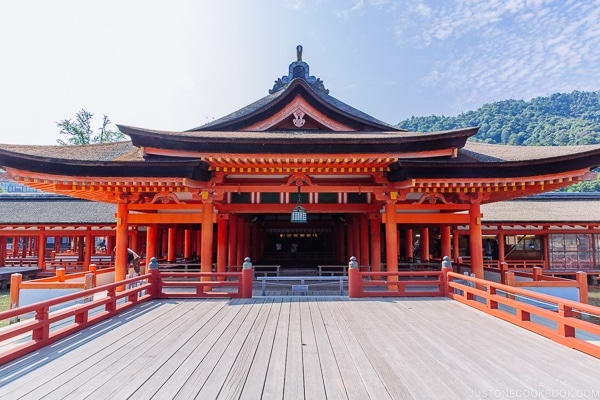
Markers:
point(15, 286)
point(112, 304)
point(354, 281)
point(156, 279)
point(247, 277)
point(60, 274)
point(503, 271)
point(446, 267)
point(94, 271)
point(582, 284)
point(88, 284)
point(43, 332)
point(564, 329)
point(537, 274)
point(510, 281)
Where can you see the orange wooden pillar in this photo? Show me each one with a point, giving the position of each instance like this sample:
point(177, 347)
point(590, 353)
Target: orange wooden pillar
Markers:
point(391, 237)
point(241, 241)
point(232, 242)
point(198, 240)
point(424, 244)
point(172, 244)
point(475, 240)
point(164, 242)
point(187, 243)
point(111, 242)
point(375, 241)
point(364, 239)
point(408, 245)
point(206, 249)
point(122, 242)
point(89, 247)
point(222, 235)
point(2, 251)
point(151, 236)
point(135, 240)
point(41, 249)
point(455, 245)
point(399, 240)
point(445, 241)
point(501, 246)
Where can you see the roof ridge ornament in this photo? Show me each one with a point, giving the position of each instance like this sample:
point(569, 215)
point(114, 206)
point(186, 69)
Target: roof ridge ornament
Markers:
point(299, 69)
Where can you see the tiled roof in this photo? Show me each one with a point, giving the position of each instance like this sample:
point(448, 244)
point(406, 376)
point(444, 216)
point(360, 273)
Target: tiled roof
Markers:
point(484, 152)
point(116, 151)
point(49, 209)
point(549, 208)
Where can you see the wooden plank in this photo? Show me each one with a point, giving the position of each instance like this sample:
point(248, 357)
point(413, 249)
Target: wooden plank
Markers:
point(166, 351)
point(353, 385)
point(333, 382)
point(313, 376)
point(207, 381)
point(294, 377)
point(237, 378)
point(198, 357)
point(373, 342)
point(117, 370)
point(360, 359)
point(79, 353)
point(425, 378)
point(257, 374)
point(275, 379)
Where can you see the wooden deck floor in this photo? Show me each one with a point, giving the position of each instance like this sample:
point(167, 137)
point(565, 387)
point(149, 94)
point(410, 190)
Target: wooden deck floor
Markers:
point(302, 348)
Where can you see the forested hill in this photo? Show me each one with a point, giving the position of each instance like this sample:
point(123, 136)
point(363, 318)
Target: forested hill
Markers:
point(559, 119)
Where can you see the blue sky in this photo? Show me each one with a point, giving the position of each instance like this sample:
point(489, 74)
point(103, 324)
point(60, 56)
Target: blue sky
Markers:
point(174, 65)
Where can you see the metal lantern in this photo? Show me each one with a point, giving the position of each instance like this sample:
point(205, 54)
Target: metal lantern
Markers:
point(299, 213)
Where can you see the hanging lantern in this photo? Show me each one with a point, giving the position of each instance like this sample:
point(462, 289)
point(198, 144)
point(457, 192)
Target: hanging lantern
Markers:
point(298, 213)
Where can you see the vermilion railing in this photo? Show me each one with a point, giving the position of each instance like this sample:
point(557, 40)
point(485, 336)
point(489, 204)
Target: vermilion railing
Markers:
point(59, 317)
point(401, 283)
point(205, 284)
point(516, 305)
point(47, 321)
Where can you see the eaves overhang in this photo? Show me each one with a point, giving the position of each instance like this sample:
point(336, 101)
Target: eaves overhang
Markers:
point(447, 168)
point(298, 142)
point(175, 167)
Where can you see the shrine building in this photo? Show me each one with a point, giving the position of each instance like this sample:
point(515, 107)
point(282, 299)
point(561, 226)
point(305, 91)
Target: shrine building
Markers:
point(299, 178)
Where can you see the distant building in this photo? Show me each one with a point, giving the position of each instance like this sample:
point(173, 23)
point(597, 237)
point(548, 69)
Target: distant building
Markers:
point(9, 186)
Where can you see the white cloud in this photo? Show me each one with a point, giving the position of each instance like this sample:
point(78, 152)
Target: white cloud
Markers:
point(525, 48)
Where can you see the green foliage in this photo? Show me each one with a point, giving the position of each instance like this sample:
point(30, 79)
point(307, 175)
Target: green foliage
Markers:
point(80, 131)
point(562, 119)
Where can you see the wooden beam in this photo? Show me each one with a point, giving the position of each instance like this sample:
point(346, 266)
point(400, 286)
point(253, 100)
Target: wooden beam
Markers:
point(432, 218)
point(287, 208)
point(173, 218)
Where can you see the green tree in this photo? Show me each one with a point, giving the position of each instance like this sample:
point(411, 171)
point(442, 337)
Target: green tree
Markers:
point(80, 131)
point(556, 120)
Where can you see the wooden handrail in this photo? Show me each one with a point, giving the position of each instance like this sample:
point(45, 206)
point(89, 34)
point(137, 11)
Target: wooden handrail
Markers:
point(73, 318)
point(394, 285)
point(483, 295)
